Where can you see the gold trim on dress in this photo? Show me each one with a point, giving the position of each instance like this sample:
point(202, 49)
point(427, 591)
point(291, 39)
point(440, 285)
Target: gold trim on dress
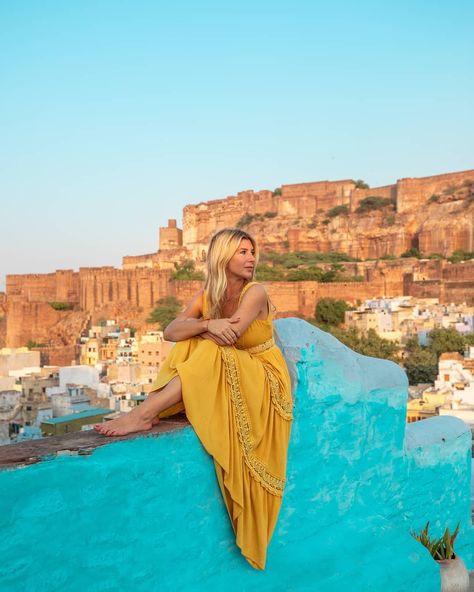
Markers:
point(259, 471)
point(258, 349)
point(282, 405)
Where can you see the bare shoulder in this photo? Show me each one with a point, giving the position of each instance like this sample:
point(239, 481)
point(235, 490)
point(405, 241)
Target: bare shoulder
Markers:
point(256, 293)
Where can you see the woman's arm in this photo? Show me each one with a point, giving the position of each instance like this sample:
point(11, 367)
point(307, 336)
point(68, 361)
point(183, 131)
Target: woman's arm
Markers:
point(188, 323)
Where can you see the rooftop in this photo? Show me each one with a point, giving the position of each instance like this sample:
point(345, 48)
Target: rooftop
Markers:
point(92, 412)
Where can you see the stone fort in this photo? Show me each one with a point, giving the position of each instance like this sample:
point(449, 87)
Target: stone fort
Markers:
point(433, 214)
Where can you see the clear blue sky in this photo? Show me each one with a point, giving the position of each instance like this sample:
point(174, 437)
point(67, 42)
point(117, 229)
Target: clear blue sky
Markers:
point(114, 114)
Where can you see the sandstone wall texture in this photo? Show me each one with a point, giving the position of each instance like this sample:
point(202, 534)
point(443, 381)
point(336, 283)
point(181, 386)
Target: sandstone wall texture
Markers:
point(412, 192)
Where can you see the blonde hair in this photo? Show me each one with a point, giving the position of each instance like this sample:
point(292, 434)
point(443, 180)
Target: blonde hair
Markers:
point(222, 248)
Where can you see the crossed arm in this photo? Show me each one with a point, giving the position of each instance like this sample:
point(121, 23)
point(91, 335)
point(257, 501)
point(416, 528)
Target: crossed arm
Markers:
point(222, 331)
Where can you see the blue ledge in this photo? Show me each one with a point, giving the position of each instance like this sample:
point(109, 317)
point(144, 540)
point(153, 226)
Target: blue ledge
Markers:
point(147, 514)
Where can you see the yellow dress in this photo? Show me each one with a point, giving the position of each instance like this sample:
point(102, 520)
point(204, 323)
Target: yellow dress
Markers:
point(238, 400)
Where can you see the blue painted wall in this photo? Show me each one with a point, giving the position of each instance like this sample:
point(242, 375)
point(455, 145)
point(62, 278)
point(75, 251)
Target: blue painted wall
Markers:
point(147, 515)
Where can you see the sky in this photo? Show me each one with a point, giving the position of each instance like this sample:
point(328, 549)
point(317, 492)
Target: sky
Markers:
point(115, 114)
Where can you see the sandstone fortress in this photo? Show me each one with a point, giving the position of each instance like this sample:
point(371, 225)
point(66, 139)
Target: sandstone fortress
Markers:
point(433, 214)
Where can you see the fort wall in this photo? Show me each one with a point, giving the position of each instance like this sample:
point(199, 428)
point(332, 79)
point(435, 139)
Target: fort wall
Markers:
point(59, 286)
point(30, 321)
point(413, 193)
point(305, 199)
point(386, 191)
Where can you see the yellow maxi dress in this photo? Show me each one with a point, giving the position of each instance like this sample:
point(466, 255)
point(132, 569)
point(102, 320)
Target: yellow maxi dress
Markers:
point(238, 400)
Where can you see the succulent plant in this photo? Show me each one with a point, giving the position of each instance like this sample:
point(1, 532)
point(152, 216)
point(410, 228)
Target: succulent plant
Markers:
point(440, 548)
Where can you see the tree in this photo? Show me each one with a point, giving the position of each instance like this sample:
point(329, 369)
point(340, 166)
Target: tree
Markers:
point(265, 273)
point(412, 252)
point(412, 344)
point(309, 274)
point(469, 339)
point(186, 271)
point(445, 340)
point(361, 184)
point(165, 311)
point(372, 202)
point(330, 311)
point(421, 365)
point(368, 345)
point(34, 344)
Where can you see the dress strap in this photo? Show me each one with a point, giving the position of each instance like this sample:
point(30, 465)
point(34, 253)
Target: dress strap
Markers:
point(204, 304)
point(245, 288)
point(269, 304)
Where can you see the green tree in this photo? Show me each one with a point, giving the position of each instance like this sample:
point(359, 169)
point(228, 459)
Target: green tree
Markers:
point(469, 339)
point(330, 311)
point(265, 273)
point(31, 344)
point(186, 271)
point(341, 210)
point(421, 365)
point(445, 340)
point(61, 305)
point(461, 255)
point(412, 344)
point(372, 202)
point(310, 274)
point(368, 345)
point(165, 311)
point(361, 184)
point(412, 252)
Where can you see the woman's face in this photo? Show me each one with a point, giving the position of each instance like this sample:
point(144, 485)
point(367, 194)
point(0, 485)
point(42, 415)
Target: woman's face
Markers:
point(242, 264)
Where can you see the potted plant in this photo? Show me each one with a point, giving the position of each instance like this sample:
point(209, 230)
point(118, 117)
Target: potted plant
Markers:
point(454, 575)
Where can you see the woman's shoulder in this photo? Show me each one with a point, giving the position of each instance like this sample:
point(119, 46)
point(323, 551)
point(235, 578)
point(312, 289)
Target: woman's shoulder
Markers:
point(255, 289)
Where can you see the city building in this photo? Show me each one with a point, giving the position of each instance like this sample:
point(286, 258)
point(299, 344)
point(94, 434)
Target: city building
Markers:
point(152, 351)
point(73, 422)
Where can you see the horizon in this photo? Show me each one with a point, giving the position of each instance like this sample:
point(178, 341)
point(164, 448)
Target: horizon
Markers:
point(114, 117)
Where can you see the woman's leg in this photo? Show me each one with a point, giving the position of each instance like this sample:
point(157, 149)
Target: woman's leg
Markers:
point(144, 415)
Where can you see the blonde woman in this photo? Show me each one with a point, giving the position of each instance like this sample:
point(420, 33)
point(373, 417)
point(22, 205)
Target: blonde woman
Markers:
point(228, 375)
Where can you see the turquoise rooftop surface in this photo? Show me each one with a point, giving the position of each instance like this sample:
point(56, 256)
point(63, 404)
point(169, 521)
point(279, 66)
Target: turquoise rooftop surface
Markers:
point(147, 514)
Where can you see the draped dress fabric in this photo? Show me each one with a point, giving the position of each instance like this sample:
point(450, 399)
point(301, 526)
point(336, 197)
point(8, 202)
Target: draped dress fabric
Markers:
point(238, 400)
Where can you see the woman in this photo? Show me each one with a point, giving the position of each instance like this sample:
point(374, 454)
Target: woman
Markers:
point(227, 373)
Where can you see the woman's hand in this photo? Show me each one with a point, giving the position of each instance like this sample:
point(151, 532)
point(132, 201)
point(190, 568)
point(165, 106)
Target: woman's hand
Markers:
point(211, 337)
point(224, 329)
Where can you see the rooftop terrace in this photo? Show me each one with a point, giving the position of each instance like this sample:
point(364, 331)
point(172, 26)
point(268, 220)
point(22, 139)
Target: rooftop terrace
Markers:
point(135, 512)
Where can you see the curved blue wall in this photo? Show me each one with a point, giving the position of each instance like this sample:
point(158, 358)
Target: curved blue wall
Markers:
point(146, 514)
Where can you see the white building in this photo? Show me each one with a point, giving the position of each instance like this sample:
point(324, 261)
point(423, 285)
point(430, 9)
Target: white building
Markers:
point(72, 400)
point(455, 373)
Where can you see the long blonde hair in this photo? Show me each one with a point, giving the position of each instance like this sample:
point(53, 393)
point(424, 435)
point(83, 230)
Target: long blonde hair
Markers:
point(222, 248)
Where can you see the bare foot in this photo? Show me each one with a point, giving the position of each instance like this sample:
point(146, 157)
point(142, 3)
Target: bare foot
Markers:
point(127, 424)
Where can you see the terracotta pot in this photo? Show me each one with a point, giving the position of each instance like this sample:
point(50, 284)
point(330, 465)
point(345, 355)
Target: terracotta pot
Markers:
point(454, 575)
